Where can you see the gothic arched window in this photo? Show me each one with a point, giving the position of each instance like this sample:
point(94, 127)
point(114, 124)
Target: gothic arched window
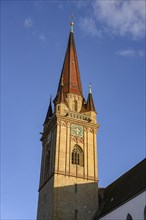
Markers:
point(129, 217)
point(77, 156)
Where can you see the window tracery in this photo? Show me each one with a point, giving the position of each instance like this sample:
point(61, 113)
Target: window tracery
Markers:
point(77, 156)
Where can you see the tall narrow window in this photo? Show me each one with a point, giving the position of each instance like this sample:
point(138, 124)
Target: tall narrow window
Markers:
point(76, 214)
point(76, 188)
point(77, 156)
point(47, 162)
point(129, 217)
point(75, 106)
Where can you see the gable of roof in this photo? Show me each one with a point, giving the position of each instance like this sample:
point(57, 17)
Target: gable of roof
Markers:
point(124, 188)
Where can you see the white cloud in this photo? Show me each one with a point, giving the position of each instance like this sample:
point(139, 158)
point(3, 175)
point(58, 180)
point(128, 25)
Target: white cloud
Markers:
point(81, 3)
point(117, 17)
point(140, 53)
point(121, 17)
point(126, 53)
point(38, 4)
point(28, 23)
point(130, 53)
point(60, 6)
point(42, 37)
point(88, 25)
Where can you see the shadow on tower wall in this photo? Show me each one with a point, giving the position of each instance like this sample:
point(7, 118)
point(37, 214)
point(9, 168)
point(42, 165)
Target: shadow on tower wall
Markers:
point(72, 202)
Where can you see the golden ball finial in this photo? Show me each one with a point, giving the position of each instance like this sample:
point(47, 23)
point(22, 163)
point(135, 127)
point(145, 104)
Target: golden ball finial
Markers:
point(71, 23)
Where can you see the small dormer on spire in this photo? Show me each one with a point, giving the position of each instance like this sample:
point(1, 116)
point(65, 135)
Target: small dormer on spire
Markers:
point(60, 96)
point(59, 101)
point(50, 112)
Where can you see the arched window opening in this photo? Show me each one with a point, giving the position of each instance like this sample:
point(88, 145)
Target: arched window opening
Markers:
point(129, 217)
point(145, 213)
point(77, 156)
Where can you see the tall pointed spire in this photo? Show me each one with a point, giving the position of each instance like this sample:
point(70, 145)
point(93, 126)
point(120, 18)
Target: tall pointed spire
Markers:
point(50, 112)
point(90, 102)
point(70, 70)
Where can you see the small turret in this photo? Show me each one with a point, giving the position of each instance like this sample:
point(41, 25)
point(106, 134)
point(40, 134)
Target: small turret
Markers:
point(90, 108)
point(90, 102)
point(59, 101)
point(50, 112)
point(60, 95)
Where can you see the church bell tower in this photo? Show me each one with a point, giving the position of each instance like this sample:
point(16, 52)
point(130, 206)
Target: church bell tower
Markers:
point(68, 187)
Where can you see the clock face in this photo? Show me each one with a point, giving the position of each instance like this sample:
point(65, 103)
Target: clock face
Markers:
point(76, 130)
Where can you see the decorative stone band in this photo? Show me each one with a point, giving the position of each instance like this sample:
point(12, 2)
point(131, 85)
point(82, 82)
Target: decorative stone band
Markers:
point(78, 116)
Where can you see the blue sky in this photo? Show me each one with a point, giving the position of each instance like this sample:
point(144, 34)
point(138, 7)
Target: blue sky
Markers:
point(110, 45)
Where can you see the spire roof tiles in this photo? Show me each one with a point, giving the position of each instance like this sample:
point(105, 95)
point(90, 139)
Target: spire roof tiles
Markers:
point(90, 103)
point(70, 70)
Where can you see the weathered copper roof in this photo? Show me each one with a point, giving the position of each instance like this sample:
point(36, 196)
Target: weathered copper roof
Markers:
point(70, 70)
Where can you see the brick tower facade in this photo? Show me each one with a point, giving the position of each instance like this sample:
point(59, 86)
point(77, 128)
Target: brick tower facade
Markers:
point(69, 180)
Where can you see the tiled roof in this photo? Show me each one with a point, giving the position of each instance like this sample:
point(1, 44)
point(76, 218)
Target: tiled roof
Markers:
point(49, 113)
point(124, 188)
point(70, 70)
point(90, 103)
point(60, 97)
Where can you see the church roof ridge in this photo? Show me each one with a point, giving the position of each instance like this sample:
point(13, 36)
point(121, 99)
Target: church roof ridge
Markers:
point(124, 188)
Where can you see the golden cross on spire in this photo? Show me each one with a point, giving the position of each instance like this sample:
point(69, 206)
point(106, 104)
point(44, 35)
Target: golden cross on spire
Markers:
point(72, 17)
